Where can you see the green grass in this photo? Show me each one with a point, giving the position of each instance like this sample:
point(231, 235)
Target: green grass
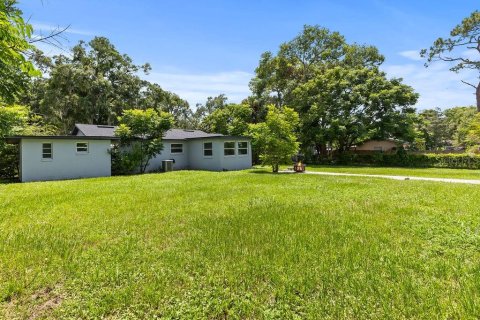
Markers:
point(413, 172)
point(239, 245)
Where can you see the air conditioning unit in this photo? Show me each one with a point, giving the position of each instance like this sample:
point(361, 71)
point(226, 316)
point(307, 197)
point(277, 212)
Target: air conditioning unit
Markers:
point(167, 165)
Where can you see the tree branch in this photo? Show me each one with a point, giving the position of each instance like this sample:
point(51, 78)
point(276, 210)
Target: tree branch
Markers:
point(469, 84)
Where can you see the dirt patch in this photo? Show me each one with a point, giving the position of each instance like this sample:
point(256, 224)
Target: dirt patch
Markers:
point(45, 301)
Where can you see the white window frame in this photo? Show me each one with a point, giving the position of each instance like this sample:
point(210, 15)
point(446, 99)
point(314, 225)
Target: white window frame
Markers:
point(51, 151)
point(234, 149)
point(238, 148)
point(82, 152)
point(211, 149)
point(171, 145)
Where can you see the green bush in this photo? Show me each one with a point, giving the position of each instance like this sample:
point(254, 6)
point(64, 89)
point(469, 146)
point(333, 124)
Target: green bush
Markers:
point(9, 161)
point(403, 159)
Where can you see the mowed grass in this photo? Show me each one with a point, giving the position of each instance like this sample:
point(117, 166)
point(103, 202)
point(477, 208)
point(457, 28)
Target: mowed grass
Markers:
point(395, 171)
point(242, 245)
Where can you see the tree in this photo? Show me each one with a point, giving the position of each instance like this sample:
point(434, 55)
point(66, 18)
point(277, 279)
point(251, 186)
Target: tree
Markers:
point(15, 68)
point(141, 133)
point(17, 120)
point(275, 138)
point(336, 88)
point(300, 59)
point(94, 85)
point(464, 36)
point(342, 106)
point(457, 121)
point(434, 129)
point(231, 119)
point(472, 139)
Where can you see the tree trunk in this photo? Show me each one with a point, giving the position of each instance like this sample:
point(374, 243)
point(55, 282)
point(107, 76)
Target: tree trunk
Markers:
point(275, 168)
point(477, 94)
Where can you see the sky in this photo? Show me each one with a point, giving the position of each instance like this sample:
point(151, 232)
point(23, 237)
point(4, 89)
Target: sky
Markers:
point(204, 48)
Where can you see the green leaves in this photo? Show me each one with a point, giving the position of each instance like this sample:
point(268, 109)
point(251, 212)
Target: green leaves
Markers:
point(141, 133)
point(275, 139)
point(15, 69)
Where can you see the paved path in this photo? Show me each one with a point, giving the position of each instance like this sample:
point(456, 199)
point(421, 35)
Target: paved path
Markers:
point(466, 181)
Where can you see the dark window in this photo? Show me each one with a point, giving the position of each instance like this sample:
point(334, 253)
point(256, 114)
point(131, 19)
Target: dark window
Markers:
point(47, 151)
point(229, 148)
point(243, 148)
point(176, 148)
point(82, 147)
point(207, 149)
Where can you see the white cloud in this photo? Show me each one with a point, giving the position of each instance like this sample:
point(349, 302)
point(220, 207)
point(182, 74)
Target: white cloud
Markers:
point(411, 54)
point(437, 85)
point(197, 87)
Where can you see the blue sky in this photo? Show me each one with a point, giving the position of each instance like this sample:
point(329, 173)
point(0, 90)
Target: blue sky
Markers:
point(203, 48)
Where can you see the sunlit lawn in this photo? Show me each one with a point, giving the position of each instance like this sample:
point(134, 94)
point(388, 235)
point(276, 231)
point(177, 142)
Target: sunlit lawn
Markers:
point(239, 245)
point(414, 172)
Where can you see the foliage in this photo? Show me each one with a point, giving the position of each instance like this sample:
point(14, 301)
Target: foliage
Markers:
point(15, 68)
point(336, 88)
point(157, 246)
point(275, 139)
point(94, 85)
point(230, 119)
point(140, 133)
point(473, 134)
point(465, 36)
point(341, 107)
point(453, 161)
point(17, 120)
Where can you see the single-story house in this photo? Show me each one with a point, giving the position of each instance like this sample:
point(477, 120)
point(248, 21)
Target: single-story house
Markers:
point(377, 145)
point(85, 153)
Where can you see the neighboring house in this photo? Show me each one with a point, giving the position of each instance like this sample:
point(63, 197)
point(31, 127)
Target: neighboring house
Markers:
point(377, 145)
point(85, 153)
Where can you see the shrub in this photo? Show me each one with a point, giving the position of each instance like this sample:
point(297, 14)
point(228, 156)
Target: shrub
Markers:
point(403, 159)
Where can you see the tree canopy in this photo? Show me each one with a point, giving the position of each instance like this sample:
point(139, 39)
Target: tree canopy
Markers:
point(465, 36)
point(15, 68)
point(275, 139)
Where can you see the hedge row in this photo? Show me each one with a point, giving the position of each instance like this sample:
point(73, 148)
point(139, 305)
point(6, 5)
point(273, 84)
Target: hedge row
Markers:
point(455, 161)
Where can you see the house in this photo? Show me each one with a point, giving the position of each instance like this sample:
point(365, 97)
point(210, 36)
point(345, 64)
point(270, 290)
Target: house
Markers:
point(85, 153)
point(378, 145)
point(63, 157)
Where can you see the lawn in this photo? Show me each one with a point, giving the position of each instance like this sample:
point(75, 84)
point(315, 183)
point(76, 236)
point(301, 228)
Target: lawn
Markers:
point(239, 245)
point(412, 172)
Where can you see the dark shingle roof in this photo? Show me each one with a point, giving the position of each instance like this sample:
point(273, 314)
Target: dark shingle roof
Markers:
point(181, 134)
point(109, 131)
point(94, 130)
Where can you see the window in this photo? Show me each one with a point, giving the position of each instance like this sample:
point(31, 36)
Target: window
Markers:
point(82, 147)
point(47, 151)
point(229, 148)
point(378, 149)
point(207, 149)
point(176, 148)
point(242, 148)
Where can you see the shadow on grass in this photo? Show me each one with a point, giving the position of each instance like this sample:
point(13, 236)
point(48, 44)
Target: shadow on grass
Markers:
point(8, 181)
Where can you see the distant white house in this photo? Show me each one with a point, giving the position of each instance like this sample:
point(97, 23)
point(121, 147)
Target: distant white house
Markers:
point(85, 153)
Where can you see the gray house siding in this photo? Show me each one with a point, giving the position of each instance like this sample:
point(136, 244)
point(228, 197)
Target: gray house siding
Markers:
point(181, 159)
point(66, 163)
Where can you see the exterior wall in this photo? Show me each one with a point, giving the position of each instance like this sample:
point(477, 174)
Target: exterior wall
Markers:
point(66, 163)
point(236, 162)
point(372, 144)
point(181, 159)
point(198, 161)
point(193, 157)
